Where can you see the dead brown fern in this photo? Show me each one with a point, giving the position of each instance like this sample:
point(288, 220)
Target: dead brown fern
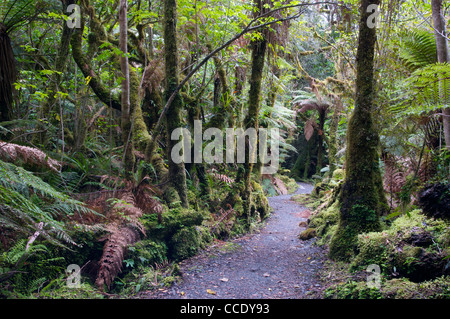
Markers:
point(124, 229)
point(29, 155)
point(154, 74)
point(110, 265)
point(221, 177)
point(124, 226)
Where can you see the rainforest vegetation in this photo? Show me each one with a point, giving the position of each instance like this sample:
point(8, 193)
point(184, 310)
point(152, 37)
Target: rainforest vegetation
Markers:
point(91, 92)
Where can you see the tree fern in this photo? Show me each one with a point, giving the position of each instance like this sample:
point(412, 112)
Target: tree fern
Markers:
point(427, 89)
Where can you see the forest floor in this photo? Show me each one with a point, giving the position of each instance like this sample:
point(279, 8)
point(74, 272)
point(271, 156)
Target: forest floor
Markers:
point(269, 263)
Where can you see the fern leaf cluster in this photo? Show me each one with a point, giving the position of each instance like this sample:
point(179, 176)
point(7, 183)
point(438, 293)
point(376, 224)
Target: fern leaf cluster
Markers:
point(418, 49)
point(428, 87)
point(26, 200)
point(124, 230)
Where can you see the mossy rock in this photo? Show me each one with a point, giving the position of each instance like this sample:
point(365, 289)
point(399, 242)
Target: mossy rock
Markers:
point(185, 243)
point(324, 221)
point(402, 288)
point(319, 189)
point(407, 248)
point(417, 264)
point(290, 183)
point(372, 249)
point(307, 234)
point(172, 221)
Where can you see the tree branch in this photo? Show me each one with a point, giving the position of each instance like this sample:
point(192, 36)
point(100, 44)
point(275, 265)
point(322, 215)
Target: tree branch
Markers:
point(246, 30)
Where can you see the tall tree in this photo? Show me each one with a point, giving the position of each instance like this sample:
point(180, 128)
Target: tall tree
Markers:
point(177, 174)
point(7, 74)
point(12, 14)
point(443, 55)
point(125, 86)
point(258, 47)
point(362, 199)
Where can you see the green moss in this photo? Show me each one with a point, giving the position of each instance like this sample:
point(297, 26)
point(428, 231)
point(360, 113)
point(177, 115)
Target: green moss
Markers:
point(259, 201)
point(58, 289)
point(338, 175)
point(438, 288)
point(290, 183)
point(325, 222)
point(372, 250)
point(185, 243)
point(352, 290)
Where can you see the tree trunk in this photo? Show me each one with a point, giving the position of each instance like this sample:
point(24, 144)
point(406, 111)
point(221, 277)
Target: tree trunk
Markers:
point(177, 174)
point(332, 147)
point(443, 55)
point(60, 66)
point(361, 199)
point(125, 96)
point(251, 120)
point(320, 135)
point(7, 75)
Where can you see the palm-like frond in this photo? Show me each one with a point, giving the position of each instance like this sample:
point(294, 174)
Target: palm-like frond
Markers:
point(431, 85)
point(427, 89)
point(14, 13)
point(418, 49)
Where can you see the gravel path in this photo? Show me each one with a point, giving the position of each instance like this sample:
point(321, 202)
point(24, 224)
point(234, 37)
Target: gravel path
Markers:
point(272, 263)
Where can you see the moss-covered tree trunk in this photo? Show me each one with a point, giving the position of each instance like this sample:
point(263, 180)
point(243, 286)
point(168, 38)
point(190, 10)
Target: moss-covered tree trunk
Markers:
point(62, 58)
point(361, 199)
point(125, 93)
point(177, 174)
point(251, 120)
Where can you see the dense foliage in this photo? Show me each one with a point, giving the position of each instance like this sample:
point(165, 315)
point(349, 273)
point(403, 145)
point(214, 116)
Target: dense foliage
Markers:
point(89, 100)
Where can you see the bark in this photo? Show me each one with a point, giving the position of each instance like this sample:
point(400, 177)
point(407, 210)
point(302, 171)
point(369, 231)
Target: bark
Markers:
point(7, 75)
point(361, 200)
point(443, 55)
point(251, 120)
point(177, 174)
point(321, 131)
point(102, 92)
point(128, 159)
point(332, 146)
point(224, 101)
point(60, 66)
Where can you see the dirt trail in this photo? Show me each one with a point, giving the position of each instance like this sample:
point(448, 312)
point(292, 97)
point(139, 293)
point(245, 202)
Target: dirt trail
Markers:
point(272, 263)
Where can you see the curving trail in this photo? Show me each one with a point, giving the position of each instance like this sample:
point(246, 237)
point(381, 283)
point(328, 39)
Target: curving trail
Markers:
point(272, 263)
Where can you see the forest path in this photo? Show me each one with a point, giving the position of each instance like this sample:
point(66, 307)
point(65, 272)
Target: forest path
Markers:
point(271, 263)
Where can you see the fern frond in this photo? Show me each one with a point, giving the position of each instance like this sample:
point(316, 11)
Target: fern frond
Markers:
point(418, 49)
point(26, 200)
point(427, 89)
point(431, 86)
